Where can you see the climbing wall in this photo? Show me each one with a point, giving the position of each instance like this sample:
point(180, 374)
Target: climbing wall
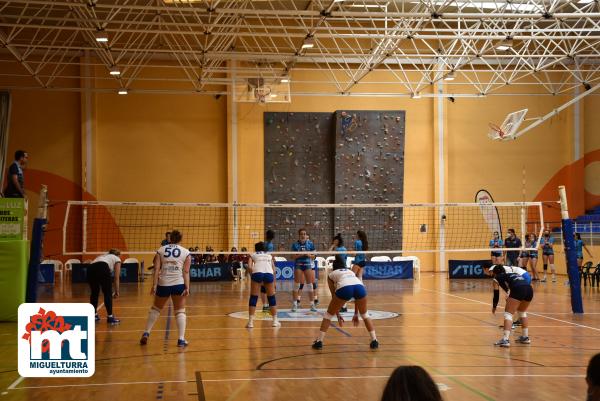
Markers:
point(299, 168)
point(369, 168)
point(347, 157)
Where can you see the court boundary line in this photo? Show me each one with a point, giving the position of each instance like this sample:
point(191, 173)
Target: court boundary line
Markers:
point(281, 378)
point(200, 386)
point(531, 313)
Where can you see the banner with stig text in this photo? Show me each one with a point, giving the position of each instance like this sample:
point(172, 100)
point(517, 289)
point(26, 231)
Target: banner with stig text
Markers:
point(467, 268)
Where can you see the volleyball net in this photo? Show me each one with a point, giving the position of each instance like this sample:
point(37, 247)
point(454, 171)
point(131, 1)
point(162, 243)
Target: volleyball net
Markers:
point(392, 229)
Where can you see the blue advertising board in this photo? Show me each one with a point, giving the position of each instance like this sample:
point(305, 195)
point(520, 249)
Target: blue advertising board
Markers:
point(384, 270)
point(467, 268)
point(211, 272)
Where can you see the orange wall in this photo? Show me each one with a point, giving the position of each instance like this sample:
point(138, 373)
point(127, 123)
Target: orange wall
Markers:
point(161, 148)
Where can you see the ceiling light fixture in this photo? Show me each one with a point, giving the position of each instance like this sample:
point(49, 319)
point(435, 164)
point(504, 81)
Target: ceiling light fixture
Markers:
point(101, 36)
point(309, 42)
point(449, 76)
point(122, 91)
point(114, 70)
point(505, 44)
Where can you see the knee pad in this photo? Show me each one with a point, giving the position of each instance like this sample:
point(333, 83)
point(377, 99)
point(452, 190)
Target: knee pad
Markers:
point(253, 300)
point(271, 299)
point(327, 316)
point(523, 314)
point(315, 285)
point(545, 266)
point(300, 287)
point(154, 308)
point(365, 315)
point(508, 316)
point(180, 311)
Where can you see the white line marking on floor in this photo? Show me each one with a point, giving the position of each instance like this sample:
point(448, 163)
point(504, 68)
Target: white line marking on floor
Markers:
point(15, 383)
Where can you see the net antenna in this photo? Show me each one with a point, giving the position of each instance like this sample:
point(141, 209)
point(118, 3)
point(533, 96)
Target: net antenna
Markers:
point(542, 119)
point(508, 129)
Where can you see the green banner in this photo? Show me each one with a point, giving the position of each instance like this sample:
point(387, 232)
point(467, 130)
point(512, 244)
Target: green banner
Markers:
point(12, 219)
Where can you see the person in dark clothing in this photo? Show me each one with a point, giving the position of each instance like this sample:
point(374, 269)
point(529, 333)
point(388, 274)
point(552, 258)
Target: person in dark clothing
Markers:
point(15, 185)
point(512, 241)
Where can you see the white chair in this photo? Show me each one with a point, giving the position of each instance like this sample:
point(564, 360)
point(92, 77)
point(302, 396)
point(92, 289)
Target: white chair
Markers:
point(69, 264)
point(132, 260)
point(321, 262)
point(381, 259)
point(280, 259)
point(329, 262)
point(398, 259)
point(349, 261)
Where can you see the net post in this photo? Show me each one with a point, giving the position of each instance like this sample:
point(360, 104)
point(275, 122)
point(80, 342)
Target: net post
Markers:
point(37, 240)
point(570, 253)
point(64, 233)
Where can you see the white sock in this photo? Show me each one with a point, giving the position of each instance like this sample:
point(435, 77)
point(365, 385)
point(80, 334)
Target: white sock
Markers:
point(552, 269)
point(274, 318)
point(526, 332)
point(153, 316)
point(321, 335)
point(506, 334)
point(181, 321)
point(372, 334)
point(250, 318)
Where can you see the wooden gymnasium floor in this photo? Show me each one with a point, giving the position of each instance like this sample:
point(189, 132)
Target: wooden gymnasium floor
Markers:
point(444, 326)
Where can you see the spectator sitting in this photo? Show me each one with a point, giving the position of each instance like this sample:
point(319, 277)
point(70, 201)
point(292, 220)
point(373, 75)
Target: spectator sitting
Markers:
point(167, 239)
point(411, 383)
point(221, 258)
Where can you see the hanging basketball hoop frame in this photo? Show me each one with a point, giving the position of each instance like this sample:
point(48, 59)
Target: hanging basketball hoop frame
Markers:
point(508, 129)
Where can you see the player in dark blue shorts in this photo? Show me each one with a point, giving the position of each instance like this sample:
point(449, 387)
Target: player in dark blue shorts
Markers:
point(520, 295)
point(547, 244)
point(533, 256)
point(269, 247)
point(361, 244)
point(303, 268)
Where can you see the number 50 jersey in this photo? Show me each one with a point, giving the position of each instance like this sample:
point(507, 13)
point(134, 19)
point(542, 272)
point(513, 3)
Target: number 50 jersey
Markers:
point(172, 259)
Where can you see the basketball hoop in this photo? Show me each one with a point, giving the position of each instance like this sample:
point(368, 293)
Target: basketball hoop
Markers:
point(508, 129)
point(495, 132)
point(261, 93)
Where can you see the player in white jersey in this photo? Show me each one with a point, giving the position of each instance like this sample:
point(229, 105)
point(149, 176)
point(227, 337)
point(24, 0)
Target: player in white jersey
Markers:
point(171, 279)
point(261, 267)
point(99, 275)
point(344, 285)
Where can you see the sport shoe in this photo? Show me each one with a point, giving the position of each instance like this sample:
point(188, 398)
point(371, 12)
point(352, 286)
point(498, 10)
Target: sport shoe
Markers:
point(112, 320)
point(182, 343)
point(294, 307)
point(316, 301)
point(343, 309)
point(265, 308)
point(317, 344)
point(554, 279)
point(543, 280)
point(523, 340)
point(502, 343)
point(313, 308)
point(517, 323)
point(250, 325)
point(374, 344)
point(276, 323)
point(144, 339)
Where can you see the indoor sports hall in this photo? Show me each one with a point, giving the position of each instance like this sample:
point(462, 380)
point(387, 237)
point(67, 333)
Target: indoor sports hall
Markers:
point(299, 200)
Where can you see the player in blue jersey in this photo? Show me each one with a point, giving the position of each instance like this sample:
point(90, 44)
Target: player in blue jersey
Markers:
point(580, 246)
point(269, 247)
point(524, 255)
point(496, 243)
point(547, 244)
point(533, 256)
point(360, 244)
point(303, 268)
point(520, 294)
